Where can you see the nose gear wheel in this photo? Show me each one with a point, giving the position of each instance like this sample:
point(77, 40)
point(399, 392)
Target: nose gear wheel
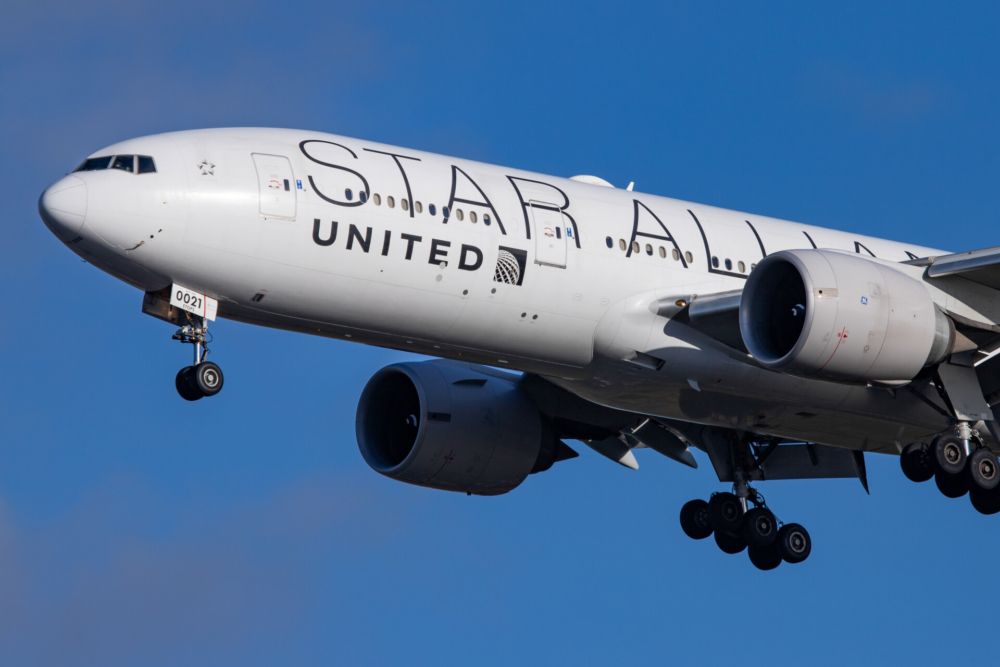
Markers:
point(203, 378)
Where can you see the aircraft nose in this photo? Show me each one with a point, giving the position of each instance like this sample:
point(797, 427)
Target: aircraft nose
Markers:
point(63, 206)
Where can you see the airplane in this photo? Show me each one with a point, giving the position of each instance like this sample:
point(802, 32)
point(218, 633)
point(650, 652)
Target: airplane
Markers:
point(560, 309)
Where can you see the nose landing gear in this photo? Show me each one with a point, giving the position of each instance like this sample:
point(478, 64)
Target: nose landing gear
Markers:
point(203, 378)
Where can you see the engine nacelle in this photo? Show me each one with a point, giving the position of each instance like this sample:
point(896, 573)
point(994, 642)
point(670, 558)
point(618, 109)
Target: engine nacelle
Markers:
point(839, 315)
point(452, 426)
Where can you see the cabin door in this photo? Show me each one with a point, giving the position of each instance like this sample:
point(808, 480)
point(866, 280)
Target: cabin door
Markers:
point(276, 186)
point(550, 234)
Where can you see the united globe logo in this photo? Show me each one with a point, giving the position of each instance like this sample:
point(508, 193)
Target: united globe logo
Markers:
point(510, 266)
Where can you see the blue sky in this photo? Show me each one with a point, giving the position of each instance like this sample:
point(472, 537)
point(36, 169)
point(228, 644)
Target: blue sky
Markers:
point(139, 529)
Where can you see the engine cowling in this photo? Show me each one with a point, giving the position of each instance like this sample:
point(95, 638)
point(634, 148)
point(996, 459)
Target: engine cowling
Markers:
point(452, 426)
point(842, 316)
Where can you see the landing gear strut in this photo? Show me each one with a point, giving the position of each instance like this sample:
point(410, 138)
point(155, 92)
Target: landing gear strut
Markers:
point(740, 521)
point(203, 378)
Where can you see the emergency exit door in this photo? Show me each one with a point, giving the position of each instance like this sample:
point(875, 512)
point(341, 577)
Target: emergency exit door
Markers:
point(276, 186)
point(550, 234)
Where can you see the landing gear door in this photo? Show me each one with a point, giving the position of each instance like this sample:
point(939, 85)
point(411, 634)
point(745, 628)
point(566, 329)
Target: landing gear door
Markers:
point(276, 185)
point(549, 227)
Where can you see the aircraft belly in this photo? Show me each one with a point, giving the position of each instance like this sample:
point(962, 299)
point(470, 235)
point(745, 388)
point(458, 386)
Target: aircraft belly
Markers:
point(768, 403)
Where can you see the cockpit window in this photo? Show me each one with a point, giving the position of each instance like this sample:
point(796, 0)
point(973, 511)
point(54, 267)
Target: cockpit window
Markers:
point(146, 165)
point(127, 163)
point(95, 163)
point(124, 162)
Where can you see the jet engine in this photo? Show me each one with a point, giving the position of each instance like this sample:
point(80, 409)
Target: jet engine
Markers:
point(842, 316)
point(455, 427)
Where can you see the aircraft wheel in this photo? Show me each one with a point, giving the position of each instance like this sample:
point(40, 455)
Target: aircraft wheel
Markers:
point(694, 519)
point(760, 528)
point(951, 486)
point(725, 512)
point(764, 558)
point(949, 454)
point(184, 382)
point(208, 378)
point(794, 543)
point(985, 502)
point(917, 462)
point(982, 470)
point(730, 543)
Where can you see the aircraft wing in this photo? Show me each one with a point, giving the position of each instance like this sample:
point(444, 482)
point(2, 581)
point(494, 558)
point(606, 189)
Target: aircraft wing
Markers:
point(980, 266)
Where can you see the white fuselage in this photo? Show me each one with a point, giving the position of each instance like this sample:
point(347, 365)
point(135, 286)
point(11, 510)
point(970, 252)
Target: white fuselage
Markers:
point(349, 238)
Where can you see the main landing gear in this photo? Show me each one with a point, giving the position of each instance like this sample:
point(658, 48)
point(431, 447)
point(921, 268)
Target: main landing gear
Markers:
point(960, 464)
point(741, 521)
point(203, 378)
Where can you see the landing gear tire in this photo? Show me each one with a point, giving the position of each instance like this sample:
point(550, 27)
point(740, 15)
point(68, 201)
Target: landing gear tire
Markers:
point(951, 486)
point(985, 502)
point(208, 378)
point(917, 462)
point(793, 543)
point(730, 543)
point(725, 511)
point(949, 456)
point(202, 378)
point(982, 470)
point(764, 558)
point(695, 519)
point(185, 384)
point(760, 528)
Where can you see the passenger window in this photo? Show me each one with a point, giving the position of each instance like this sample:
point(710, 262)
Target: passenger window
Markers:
point(607, 239)
point(404, 204)
point(472, 216)
point(688, 257)
point(124, 162)
point(486, 219)
point(663, 252)
point(377, 199)
point(362, 196)
point(676, 254)
point(432, 209)
point(715, 262)
point(95, 163)
point(146, 165)
point(390, 201)
point(635, 247)
point(445, 212)
point(649, 249)
point(459, 214)
point(729, 264)
point(621, 244)
point(418, 206)
point(349, 194)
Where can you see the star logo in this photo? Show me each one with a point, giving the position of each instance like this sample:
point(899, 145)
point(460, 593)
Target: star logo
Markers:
point(207, 168)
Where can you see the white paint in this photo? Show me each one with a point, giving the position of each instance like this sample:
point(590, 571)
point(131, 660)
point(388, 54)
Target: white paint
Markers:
point(582, 308)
